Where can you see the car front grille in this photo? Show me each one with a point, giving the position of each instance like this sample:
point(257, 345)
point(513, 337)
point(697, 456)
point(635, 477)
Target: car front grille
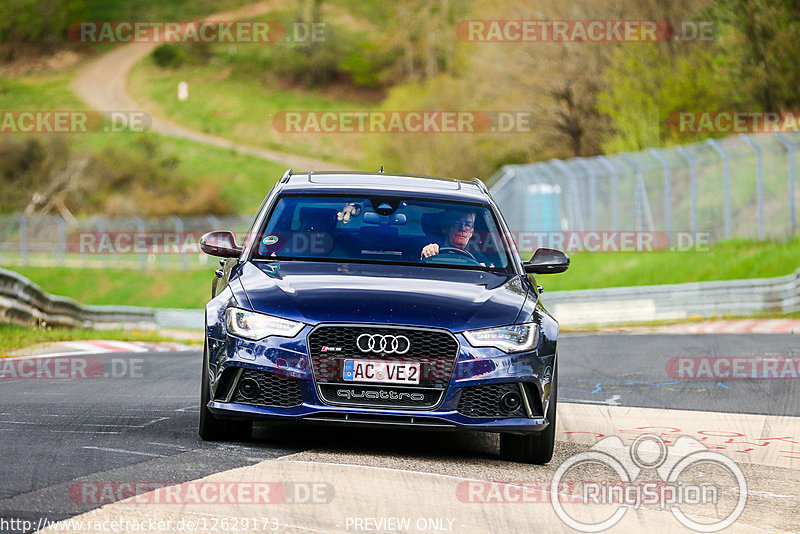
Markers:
point(272, 390)
point(435, 350)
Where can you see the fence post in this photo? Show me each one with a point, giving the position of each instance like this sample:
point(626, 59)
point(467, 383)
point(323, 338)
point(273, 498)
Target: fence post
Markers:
point(790, 159)
point(641, 193)
point(62, 238)
point(614, 175)
point(726, 181)
point(667, 192)
point(101, 230)
point(23, 238)
point(178, 222)
point(759, 182)
point(142, 256)
point(692, 184)
point(589, 170)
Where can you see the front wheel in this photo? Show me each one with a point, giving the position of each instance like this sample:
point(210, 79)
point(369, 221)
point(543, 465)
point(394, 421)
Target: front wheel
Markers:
point(537, 448)
point(211, 428)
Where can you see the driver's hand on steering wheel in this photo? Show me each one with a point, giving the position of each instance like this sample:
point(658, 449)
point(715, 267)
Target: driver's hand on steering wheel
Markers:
point(430, 250)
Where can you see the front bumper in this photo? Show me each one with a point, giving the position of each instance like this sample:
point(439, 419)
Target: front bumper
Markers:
point(288, 359)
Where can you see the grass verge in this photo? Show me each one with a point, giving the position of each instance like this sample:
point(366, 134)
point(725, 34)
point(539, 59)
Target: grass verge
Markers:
point(248, 117)
point(157, 289)
point(726, 260)
point(15, 337)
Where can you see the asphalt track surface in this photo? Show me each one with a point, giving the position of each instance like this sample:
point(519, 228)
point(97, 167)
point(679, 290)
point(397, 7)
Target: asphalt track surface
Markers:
point(56, 434)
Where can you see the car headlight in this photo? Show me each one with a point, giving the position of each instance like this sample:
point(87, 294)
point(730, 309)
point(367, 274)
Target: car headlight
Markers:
point(253, 325)
point(512, 338)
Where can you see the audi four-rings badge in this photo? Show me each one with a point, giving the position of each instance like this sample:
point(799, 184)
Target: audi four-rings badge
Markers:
point(386, 344)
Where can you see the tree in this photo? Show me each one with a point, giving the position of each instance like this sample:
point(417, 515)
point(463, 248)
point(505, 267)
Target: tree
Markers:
point(38, 23)
point(760, 41)
point(423, 45)
point(643, 89)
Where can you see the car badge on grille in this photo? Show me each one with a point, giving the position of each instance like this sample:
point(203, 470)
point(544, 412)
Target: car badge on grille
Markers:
point(326, 348)
point(383, 344)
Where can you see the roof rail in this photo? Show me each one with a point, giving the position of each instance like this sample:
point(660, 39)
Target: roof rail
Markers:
point(482, 186)
point(286, 175)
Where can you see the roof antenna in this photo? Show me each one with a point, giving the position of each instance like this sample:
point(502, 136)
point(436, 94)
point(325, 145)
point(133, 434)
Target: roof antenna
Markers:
point(381, 171)
point(309, 177)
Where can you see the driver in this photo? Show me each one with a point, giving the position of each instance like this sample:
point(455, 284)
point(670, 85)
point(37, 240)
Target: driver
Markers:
point(457, 228)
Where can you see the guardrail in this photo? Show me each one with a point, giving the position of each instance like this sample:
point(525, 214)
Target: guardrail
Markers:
point(675, 301)
point(25, 303)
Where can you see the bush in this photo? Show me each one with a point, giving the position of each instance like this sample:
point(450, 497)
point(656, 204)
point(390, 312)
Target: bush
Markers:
point(136, 181)
point(367, 65)
point(169, 56)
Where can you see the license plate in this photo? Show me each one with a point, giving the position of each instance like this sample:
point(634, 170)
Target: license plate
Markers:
point(381, 371)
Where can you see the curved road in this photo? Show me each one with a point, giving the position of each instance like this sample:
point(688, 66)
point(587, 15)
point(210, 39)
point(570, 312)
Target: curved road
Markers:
point(63, 439)
point(102, 84)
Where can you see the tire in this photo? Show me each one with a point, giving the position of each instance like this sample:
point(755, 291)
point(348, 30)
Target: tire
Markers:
point(536, 448)
point(211, 428)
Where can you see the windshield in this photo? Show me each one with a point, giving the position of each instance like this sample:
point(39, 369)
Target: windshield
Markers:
point(385, 229)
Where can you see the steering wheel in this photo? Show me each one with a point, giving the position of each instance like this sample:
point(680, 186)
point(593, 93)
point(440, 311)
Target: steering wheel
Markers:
point(453, 250)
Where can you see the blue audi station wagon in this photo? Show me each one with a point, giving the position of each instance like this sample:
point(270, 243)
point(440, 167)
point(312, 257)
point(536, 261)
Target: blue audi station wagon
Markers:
point(378, 299)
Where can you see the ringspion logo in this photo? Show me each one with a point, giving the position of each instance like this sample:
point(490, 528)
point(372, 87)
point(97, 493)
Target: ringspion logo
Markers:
point(684, 485)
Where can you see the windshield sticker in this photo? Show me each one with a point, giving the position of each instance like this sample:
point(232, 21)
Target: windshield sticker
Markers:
point(270, 240)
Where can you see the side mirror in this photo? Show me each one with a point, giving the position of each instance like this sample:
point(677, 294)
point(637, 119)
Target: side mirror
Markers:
point(220, 244)
point(547, 261)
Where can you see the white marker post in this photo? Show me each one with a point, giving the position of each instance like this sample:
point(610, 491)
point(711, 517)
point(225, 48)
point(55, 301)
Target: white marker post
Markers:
point(183, 91)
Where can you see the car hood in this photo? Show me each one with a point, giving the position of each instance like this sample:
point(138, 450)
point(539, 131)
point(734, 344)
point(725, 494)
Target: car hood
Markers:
point(316, 292)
